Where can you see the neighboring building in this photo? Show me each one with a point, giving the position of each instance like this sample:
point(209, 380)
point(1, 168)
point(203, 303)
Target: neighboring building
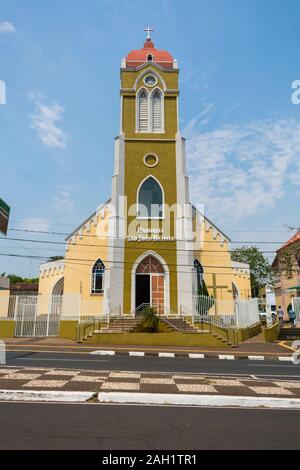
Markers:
point(24, 288)
point(267, 297)
point(139, 246)
point(286, 266)
point(4, 283)
point(4, 296)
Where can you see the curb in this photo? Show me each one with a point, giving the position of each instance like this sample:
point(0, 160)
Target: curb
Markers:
point(45, 396)
point(219, 401)
point(158, 399)
point(223, 357)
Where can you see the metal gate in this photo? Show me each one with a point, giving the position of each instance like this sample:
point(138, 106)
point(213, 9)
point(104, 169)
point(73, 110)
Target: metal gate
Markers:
point(296, 305)
point(29, 323)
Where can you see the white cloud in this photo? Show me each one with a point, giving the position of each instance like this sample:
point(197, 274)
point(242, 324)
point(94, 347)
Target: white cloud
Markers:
point(63, 200)
point(35, 223)
point(239, 171)
point(7, 28)
point(45, 120)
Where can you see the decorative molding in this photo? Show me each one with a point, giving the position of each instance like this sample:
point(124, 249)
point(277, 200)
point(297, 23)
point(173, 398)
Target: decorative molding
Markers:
point(240, 268)
point(93, 220)
point(52, 268)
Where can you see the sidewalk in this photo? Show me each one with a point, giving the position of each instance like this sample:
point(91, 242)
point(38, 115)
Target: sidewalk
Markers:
point(66, 380)
point(243, 351)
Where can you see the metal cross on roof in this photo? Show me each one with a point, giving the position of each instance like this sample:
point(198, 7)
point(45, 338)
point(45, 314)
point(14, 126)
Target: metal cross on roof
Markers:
point(149, 30)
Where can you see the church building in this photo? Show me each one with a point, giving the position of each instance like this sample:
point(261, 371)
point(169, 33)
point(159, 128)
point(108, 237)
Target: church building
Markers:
point(148, 244)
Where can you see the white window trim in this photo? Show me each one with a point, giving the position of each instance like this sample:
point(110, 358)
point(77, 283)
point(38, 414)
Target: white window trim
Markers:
point(154, 155)
point(156, 80)
point(137, 200)
point(150, 102)
point(92, 286)
point(137, 111)
point(162, 104)
point(149, 71)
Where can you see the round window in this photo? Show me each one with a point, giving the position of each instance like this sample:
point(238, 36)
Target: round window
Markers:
point(150, 160)
point(150, 80)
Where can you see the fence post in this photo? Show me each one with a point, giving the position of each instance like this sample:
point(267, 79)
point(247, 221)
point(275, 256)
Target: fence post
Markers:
point(16, 307)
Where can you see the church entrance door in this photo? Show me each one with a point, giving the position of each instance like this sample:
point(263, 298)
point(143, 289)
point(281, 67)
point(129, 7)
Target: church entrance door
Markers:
point(150, 284)
point(142, 292)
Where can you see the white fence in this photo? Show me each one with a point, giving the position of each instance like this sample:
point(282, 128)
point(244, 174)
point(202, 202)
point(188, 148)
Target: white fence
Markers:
point(226, 313)
point(39, 316)
point(296, 306)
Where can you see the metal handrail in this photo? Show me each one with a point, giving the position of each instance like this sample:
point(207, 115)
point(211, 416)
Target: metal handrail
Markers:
point(169, 323)
point(83, 326)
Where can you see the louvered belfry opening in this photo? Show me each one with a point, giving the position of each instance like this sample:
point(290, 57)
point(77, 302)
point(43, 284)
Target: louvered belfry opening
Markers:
point(143, 111)
point(156, 111)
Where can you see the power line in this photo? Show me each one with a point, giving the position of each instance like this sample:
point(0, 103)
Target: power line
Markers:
point(122, 238)
point(49, 242)
point(86, 262)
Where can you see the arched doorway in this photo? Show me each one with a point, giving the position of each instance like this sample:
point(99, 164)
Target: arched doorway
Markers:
point(58, 288)
point(57, 297)
point(150, 284)
point(235, 292)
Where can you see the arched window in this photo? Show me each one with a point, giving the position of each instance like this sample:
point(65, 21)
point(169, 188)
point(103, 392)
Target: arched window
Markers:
point(143, 111)
point(150, 199)
point(156, 111)
point(200, 275)
point(98, 277)
point(150, 57)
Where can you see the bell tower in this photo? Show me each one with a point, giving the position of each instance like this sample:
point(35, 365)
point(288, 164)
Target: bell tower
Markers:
point(149, 183)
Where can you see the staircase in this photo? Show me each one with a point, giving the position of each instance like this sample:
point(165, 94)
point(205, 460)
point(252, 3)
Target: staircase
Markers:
point(179, 324)
point(289, 333)
point(121, 325)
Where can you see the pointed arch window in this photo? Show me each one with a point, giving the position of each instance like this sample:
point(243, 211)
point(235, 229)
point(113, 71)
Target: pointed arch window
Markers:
point(156, 111)
point(150, 108)
point(143, 111)
point(199, 275)
point(98, 277)
point(150, 199)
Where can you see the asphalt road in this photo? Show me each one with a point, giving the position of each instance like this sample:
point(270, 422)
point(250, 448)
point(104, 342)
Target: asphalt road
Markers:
point(95, 426)
point(272, 368)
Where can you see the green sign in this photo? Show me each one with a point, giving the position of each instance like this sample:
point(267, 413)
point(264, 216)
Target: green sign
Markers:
point(4, 217)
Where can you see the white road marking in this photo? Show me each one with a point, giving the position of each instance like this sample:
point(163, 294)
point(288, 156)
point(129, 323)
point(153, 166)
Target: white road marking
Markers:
point(166, 355)
point(136, 354)
point(256, 358)
point(227, 357)
point(286, 359)
point(196, 356)
point(104, 353)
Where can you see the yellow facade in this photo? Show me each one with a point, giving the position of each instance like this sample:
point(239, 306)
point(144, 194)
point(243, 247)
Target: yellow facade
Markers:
point(99, 237)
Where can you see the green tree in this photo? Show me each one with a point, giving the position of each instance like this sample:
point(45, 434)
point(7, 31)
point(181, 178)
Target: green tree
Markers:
point(55, 258)
point(261, 274)
point(15, 279)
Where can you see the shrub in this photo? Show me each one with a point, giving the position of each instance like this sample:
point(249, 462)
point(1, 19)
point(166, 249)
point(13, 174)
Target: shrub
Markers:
point(149, 322)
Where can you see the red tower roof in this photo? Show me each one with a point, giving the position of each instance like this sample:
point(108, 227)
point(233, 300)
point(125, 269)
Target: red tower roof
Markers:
point(149, 54)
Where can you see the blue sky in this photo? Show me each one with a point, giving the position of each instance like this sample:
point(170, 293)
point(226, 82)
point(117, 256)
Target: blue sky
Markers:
point(60, 62)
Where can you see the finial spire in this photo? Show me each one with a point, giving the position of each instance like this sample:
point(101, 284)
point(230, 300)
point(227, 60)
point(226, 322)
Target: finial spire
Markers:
point(149, 30)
